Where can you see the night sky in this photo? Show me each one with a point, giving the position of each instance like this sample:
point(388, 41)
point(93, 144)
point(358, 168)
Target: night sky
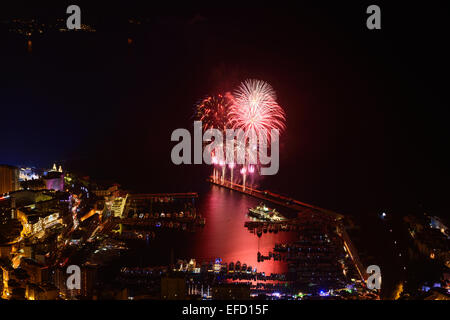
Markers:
point(367, 111)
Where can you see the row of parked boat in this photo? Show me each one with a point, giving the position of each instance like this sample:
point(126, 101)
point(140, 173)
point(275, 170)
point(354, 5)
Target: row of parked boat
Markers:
point(264, 213)
point(167, 215)
point(162, 224)
point(259, 229)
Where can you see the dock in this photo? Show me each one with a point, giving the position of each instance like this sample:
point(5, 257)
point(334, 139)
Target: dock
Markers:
point(274, 198)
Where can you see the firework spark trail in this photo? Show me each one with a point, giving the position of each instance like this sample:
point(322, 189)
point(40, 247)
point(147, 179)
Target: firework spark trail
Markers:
point(252, 108)
point(255, 109)
point(212, 111)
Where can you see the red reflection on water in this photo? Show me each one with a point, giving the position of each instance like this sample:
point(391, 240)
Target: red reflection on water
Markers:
point(224, 235)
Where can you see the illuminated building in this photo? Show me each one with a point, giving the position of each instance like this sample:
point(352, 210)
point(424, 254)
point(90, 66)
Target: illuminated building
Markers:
point(9, 179)
point(35, 223)
point(27, 174)
point(45, 223)
point(118, 206)
point(192, 265)
point(218, 265)
point(54, 180)
point(54, 169)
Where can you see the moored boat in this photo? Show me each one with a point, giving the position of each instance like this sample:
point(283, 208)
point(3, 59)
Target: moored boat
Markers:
point(262, 212)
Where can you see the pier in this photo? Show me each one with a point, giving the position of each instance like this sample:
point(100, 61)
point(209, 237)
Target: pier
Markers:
point(273, 197)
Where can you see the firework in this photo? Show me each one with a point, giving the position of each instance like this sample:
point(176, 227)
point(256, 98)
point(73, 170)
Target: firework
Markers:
point(222, 164)
point(244, 175)
point(255, 109)
point(231, 166)
point(213, 112)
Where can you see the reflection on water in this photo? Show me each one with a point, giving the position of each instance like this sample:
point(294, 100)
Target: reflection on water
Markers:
point(224, 236)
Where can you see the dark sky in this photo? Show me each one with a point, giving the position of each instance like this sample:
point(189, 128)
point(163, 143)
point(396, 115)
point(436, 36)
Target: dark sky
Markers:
point(367, 111)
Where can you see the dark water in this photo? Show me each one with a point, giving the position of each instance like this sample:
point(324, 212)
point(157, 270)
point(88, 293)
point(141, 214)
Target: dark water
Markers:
point(224, 236)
